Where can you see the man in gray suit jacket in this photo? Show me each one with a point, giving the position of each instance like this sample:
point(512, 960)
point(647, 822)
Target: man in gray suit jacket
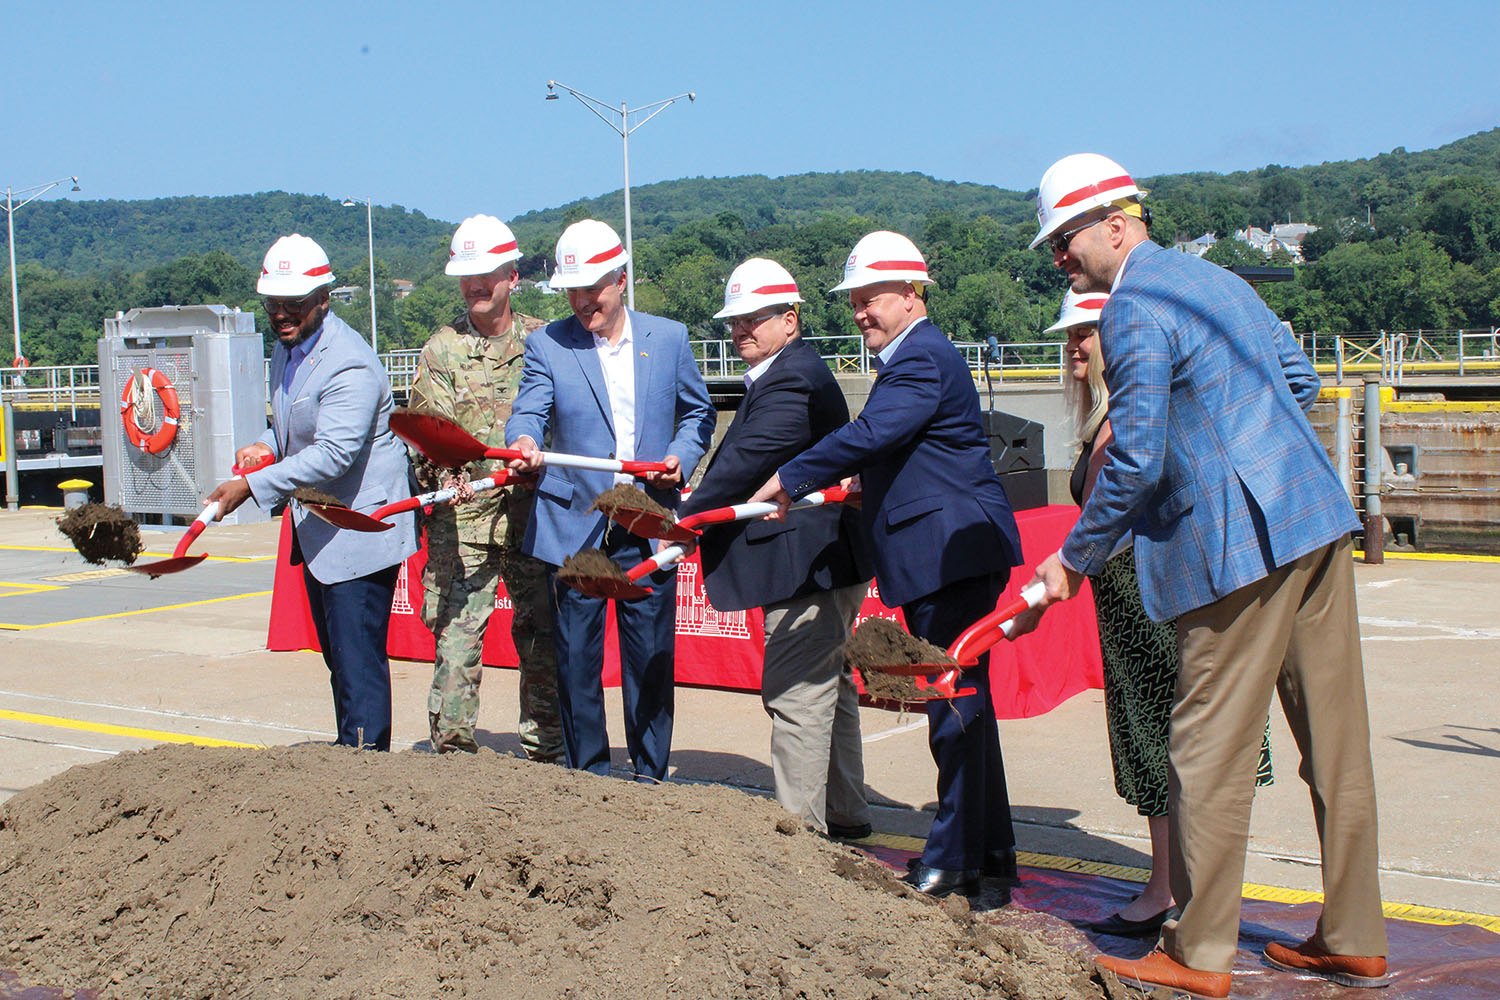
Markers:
point(330, 402)
point(1241, 533)
point(608, 382)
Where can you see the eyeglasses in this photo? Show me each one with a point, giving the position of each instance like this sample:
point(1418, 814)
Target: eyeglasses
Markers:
point(752, 320)
point(1059, 242)
point(292, 307)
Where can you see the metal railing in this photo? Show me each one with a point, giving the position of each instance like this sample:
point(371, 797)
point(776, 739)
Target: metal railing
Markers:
point(1395, 354)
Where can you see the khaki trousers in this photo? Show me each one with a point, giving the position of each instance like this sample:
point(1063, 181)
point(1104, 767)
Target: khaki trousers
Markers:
point(817, 756)
point(1297, 631)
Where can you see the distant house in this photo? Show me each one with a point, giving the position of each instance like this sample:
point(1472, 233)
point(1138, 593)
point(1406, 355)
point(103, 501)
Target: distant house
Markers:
point(403, 287)
point(344, 293)
point(1197, 247)
point(1286, 235)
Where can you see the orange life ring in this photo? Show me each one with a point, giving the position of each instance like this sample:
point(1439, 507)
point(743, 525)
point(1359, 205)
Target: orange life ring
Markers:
point(160, 440)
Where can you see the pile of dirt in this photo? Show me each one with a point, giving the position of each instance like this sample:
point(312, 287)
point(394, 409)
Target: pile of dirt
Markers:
point(632, 508)
point(326, 872)
point(877, 646)
point(306, 494)
point(102, 533)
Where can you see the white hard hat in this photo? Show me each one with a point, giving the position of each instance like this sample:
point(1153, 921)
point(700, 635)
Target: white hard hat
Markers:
point(1079, 309)
point(480, 244)
point(1076, 185)
point(883, 256)
point(755, 284)
point(294, 266)
point(587, 251)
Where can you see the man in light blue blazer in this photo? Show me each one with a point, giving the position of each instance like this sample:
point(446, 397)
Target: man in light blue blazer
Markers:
point(330, 402)
point(1242, 534)
point(608, 382)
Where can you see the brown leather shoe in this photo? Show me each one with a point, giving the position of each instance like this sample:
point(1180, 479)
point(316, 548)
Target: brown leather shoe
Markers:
point(1160, 969)
point(1364, 972)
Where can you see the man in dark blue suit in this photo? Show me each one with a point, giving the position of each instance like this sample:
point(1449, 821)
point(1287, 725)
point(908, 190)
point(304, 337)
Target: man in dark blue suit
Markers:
point(809, 571)
point(941, 532)
point(608, 382)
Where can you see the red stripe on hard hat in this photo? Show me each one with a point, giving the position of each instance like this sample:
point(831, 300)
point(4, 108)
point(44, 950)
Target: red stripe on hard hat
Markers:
point(600, 258)
point(898, 265)
point(774, 289)
point(1092, 303)
point(1110, 184)
point(325, 269)
point(504, 247)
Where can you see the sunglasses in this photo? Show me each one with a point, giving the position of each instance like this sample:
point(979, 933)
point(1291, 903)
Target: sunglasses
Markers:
point(292, 307)
point(1061, 241)
point(752, 320)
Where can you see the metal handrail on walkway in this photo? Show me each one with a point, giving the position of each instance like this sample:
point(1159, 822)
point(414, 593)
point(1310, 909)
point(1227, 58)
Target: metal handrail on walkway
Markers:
point(1395, 354)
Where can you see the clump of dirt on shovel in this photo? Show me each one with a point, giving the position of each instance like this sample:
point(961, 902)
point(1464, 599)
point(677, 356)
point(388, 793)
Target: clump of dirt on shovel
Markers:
point(101, 533)
point(306, 494)
point(878, 645)
point(589, 565)
point(632, 502)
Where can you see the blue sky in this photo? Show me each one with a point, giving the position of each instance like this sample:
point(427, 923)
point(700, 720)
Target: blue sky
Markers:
point(440, 107)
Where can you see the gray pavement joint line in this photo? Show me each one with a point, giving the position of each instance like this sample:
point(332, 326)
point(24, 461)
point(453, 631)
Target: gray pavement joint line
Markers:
point(54, 743)
point(165, 713)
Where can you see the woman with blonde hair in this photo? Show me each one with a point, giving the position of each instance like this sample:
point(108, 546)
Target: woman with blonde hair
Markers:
point(1139, 655)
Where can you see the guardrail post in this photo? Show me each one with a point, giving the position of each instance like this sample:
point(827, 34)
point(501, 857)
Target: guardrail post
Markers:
point(1338, 359)
point(1374, 520)
point(1343, 442)
point(12, 458)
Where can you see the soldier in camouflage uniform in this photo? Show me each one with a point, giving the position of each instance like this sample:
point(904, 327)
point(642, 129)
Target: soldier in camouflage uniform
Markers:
point(469, 372)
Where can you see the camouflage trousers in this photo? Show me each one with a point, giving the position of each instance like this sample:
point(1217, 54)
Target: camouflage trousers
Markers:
point(459, 587)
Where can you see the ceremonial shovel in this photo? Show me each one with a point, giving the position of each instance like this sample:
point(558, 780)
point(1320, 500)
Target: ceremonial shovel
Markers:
point(180, 560)
point(648, 525)
point(626, 588)
point(342, 517)
point(446, 444)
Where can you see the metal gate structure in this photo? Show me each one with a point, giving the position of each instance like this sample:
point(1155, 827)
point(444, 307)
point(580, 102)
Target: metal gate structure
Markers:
point(214, 359)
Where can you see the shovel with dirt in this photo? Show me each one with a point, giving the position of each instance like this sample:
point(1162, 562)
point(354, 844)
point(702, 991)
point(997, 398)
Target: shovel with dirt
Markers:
point(337, 513)
point(594, 574)
point(640, 515)
point(895, 664)
point(179, 559)
point(449, 446)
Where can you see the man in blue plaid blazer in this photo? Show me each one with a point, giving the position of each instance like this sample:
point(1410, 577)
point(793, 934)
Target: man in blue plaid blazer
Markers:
point(1241, 531)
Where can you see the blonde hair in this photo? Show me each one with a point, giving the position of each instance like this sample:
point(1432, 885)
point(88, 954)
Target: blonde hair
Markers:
point(1089, 399)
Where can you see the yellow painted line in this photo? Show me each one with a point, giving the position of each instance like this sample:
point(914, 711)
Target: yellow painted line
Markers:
point(83, 575)
point(1434, 556)
point(154, 555)
point(1250, 890)
point(1441, 406)
point(127, 614)
point(9, 589)
point(155, 735)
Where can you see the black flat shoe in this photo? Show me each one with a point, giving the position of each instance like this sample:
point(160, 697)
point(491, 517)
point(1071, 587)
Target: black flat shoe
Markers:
point(940, 882)
point(1002, 865)
point(854, 831)
point(1118, 926)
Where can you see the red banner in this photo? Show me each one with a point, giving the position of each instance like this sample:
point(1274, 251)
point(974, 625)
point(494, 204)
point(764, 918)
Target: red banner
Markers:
point(723, 649)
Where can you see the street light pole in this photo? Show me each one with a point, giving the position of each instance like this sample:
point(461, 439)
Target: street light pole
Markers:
point(623, 128)
point(11, 205)
point(370, 236)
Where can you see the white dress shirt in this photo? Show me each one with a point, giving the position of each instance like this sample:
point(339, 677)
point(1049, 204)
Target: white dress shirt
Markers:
point(618, 362)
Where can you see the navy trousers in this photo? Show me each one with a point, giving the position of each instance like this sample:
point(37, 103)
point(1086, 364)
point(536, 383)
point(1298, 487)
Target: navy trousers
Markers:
point(973, 816)
point(647, 631)
point(352, 619)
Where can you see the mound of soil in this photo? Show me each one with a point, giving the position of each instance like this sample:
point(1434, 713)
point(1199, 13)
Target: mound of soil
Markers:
point(102, 533)
point(322, 871)
point(633, 508)
point(306, 494)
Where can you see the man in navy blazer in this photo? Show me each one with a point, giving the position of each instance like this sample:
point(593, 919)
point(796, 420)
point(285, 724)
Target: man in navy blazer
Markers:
point(608, 382)
point(330, 403)
point(809, 571)
point(942, 534)
point(1242, 533)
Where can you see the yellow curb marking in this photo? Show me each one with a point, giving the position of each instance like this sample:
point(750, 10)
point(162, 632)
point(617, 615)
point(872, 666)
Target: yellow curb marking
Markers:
point(11, 589)
point(156, 735)
point(1250, 890)
point(88, 574)
point(1435, 556)
point(139, 611)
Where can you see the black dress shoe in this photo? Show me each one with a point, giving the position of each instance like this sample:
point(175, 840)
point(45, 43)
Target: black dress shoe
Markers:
point(854, 831)
point(940, 882)
point(1002, 865)
point(1118, 926)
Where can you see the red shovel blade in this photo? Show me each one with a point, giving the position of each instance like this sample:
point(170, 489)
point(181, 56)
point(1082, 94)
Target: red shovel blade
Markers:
point(618, 590)
point(161, 567)
point(644, 524)
point(443, 442)
point(343, 517)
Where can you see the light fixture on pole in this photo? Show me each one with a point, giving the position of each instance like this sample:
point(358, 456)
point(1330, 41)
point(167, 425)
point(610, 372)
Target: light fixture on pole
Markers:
point(623, 128)
point(36, 191)
point(370, 236)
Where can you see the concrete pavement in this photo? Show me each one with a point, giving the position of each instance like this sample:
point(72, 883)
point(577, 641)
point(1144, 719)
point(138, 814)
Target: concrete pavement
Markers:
point(97, 663)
